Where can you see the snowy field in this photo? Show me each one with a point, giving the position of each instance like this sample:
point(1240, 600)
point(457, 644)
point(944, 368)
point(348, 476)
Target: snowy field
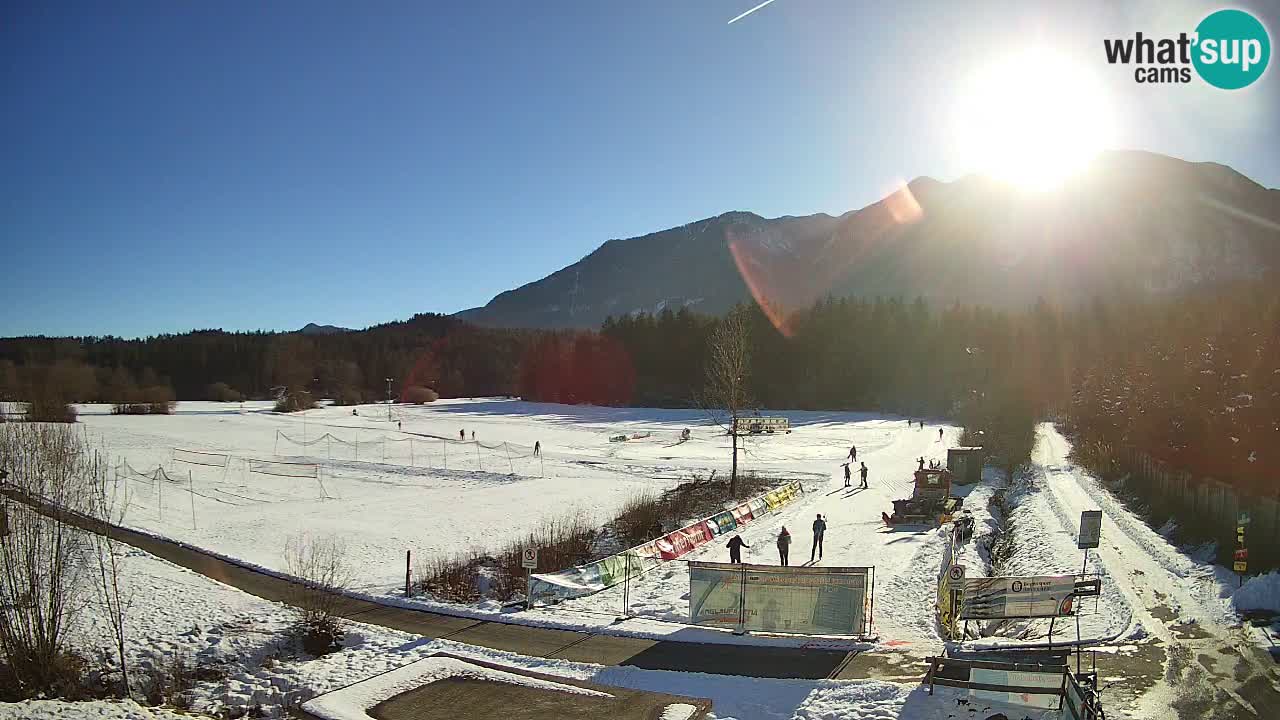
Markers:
point(410, 483)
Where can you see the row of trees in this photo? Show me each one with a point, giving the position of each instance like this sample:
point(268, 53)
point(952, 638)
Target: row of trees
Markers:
point(1190, 378)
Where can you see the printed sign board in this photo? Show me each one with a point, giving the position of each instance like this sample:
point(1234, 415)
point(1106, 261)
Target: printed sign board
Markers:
point(1017, 597)
point(1014, 678)
point(529, 558)
point(754, 425)
point(956, 572)
point(1090, 529)
point(767, 598)
point(1089, 588)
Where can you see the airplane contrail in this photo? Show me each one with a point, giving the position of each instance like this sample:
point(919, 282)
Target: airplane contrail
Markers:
point(766, 2)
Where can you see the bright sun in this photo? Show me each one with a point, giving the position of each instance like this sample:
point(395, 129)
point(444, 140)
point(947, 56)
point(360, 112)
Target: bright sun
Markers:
point(1031, 119)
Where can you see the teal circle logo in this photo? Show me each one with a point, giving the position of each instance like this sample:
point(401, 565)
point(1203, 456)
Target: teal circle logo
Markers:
point(1232, 49)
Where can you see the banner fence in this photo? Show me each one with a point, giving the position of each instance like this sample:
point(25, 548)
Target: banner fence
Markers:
point(593, 577)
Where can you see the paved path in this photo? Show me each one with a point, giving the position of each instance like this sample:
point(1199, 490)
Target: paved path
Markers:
point(745, 660)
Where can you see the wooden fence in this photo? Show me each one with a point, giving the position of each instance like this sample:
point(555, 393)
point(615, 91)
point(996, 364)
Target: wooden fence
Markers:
point(1208, 507)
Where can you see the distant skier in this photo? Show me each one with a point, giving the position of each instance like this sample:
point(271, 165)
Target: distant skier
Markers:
point(863, 472)
point(735, 546)
point(462, 435)
point(939, 433)
point(353, 411)
point(473, 436)
point(853, 453)
point(537, 448)
point(784, 545)
point(921, 462)
point(846, 475)
point(399, 425)
point(819, 529)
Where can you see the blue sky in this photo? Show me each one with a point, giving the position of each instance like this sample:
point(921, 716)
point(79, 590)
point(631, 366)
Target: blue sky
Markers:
point(264, 165)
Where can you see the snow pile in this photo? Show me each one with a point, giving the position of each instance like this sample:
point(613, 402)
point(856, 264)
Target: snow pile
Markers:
point(353, 701)
point(1260, 593)
point(678, 711)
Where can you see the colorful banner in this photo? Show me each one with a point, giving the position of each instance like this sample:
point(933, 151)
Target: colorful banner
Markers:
point(596, 576)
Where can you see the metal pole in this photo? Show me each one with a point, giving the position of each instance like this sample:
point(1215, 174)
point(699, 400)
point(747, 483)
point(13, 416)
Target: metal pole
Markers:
point(406, 572)
point(1051, 621)
point(191, 488)
point(626, 587)
point(411, 461)
point(160, 492)
point(742, 600)
point(388, 399)
point(478, 460)
point(508, 449)
point(446, 454)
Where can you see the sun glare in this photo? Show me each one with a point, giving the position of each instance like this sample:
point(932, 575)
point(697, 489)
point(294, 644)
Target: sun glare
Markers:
point(1031, 119)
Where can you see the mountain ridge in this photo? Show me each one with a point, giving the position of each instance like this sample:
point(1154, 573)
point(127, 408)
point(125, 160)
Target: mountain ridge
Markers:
point(1132, 219)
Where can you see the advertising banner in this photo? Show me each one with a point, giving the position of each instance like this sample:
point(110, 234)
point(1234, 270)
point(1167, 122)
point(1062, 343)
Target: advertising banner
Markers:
point(723, 523)
point(1050, 681)
point(596, 576)
point(1090, 529)
point(813, 600)
point(1017, 597)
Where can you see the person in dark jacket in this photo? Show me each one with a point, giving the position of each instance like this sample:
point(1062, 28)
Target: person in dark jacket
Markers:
point(939, 434)
point(863, 472)
point(853, 453)
point(921, 462)
point(819, 529)
point(846, 475)
point(735, 546)
point(784, 545)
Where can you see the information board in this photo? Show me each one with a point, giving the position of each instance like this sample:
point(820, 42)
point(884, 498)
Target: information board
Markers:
point(767, 598)
point(1090, 529)
point(1017, 597)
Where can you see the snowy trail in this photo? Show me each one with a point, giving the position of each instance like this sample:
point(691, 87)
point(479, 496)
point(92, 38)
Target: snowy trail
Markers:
point(1152, 574)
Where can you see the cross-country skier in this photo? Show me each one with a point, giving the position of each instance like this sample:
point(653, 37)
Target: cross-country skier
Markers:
point(846, 474)
point(784, 545)
point(819, 529)
point(735, 546)
point(863, 472)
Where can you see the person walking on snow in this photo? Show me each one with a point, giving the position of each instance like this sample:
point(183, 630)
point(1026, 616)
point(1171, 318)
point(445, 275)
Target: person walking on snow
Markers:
point(735, 546)
point(853, 453)
point(462, 435)
point(921, 462)
point(537, 448)
point(819, 529)
point(939, 434)
point(863, 472)
point(784, 545)
point(846, 474)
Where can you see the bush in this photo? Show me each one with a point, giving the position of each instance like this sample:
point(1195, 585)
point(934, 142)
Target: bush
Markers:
point(50, 409)
point(347, 396)
point(418, 395)
point(320, 564)
point(561, 542)
point(222, 392)
point(294, 400)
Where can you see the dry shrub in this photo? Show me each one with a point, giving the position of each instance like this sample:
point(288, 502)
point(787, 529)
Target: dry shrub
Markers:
point(561, 542)
point(295, 400)
point(418, 395)
point(49, 407)
point(222, 392)
point(318, 599)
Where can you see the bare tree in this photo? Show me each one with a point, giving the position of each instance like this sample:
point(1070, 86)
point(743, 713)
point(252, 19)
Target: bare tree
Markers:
point(318, 597)
point(728, 368)
point(114, 601)
point(44, 586)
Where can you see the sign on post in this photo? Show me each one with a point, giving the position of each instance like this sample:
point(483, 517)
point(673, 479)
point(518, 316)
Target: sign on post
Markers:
point(529, 558)
point(1018, 597)
point(1090, 529)
point(956, 573)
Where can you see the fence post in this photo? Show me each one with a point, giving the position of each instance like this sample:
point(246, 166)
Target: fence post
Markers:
point(446, 453)
point(406, 572)
point(507, 447)
point(742, 601)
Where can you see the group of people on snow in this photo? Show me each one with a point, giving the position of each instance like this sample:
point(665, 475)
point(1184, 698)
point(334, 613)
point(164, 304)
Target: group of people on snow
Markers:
point(736, 543)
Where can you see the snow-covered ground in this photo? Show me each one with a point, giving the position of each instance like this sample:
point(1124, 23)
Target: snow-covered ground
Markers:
point(177, 612)
point(383, 508)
